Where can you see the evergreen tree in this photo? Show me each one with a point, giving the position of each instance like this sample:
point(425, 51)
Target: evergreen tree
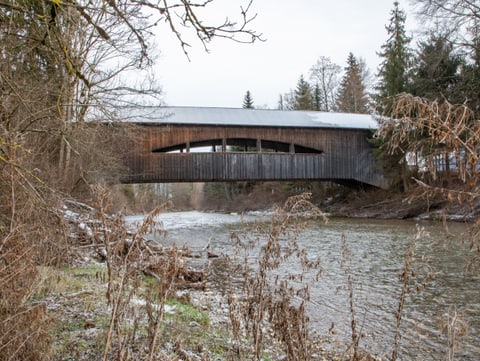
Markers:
point(303, 97)
point(248, 101)
point(436, 72)
point(468, 89)
point(436, 75)
point(352, 96)
point(393, 75)
point(281, 103)
point(396, 54)
point(461, 19)
point(317, 98)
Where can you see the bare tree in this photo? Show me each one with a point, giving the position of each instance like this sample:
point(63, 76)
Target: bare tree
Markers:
point(326, 74)
point(63, 63)
point(95, 59)
point(287, 100)
point(460, 16)
point(97, 44)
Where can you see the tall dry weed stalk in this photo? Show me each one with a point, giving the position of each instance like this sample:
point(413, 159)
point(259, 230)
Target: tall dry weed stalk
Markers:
point(269, 302)
point(353, 350)
point(416, 274)
point(405, 290)
point(166, 273)
point(454, 326)
point(436, 133)
point(128, 257)
point(23, 334)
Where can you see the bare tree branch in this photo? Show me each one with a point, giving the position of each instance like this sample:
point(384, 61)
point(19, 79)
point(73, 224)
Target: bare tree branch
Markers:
point(461, 16)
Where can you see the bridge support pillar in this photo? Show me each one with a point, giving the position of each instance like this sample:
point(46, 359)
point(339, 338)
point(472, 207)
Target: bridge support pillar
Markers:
point(292, 148)
point(259, 145)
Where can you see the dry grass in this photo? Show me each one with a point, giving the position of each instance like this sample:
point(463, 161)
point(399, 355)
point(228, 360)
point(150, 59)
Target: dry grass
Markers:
point(269, 304)
point(23, 335)
point(31, 234)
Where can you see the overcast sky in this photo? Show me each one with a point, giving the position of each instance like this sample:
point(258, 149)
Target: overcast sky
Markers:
point(296, 34)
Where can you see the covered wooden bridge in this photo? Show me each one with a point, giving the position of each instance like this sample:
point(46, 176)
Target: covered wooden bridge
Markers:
point(195, 144)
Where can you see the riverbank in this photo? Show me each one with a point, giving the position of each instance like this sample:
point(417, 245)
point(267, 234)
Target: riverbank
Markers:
point(370, 204)
point(196, 325)
point(193, 320)
point(198, 321)
point(380, 204)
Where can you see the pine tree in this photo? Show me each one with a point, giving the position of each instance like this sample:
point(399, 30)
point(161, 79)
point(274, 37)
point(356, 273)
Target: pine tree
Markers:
point(352, 96)
point(317, 98)
point(281, 103)
point(248, 101)
point(437, 70)
point(468, 90)
point(303, 97)
point(396, 54)
point(393, 75)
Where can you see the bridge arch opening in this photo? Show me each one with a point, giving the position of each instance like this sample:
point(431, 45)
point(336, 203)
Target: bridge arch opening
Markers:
point(238, 145)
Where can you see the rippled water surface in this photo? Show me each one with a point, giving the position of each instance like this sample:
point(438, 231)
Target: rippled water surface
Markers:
point(378, 251)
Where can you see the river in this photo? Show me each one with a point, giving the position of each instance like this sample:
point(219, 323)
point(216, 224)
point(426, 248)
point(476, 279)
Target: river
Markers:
point(377, 249)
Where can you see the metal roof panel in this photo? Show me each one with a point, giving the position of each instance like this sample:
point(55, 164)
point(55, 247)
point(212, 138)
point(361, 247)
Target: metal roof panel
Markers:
point(253, 117)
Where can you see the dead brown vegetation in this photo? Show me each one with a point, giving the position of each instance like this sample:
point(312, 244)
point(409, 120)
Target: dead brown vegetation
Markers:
point(437, 134)
point(53, 81)
point(266, 301)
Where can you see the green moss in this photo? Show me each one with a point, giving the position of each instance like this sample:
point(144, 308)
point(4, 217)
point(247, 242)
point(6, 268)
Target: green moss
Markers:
point(83, 289)
point(87, 273)
point(148, 282)
point(52, 280)
point(188, 313)
point(129, 193)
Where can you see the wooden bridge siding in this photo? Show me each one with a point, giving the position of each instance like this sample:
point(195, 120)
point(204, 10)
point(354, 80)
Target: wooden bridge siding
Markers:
point(342, 144)
point(169, 135)
point(347, 155)
point(234, 166)
point(198, 167)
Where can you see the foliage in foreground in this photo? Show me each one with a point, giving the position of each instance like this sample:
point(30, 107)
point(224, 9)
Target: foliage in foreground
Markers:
point(438, 143)
point(63, 64)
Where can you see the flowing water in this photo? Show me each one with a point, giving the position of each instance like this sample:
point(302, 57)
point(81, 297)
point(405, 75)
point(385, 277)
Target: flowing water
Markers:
point(377, 249)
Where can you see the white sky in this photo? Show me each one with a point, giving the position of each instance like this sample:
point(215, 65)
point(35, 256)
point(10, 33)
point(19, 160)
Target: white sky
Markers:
point(297, 33)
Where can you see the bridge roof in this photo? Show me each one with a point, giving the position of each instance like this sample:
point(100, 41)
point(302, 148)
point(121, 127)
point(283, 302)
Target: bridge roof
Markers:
point(254, 117)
